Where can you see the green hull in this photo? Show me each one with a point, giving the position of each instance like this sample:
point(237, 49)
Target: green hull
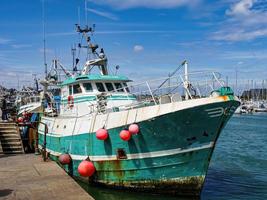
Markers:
point(171, 154)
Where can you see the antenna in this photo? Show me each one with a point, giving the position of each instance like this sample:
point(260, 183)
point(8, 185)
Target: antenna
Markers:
point(44, 40)
point(74, 65)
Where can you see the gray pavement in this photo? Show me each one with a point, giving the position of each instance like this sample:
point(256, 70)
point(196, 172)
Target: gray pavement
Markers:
point(28, 177)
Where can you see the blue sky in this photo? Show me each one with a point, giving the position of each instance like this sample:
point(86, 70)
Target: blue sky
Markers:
point(147, 38)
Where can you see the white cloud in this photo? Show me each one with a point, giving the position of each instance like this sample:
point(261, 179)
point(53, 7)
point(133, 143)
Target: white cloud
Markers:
point(245, 55)
point(138, 48)
point(241, 8)
point(4, 40)
point(48, 51)
point(157, 4)
point(234, 35)
point(21, 46)
point(246, 21)
point(103, 14)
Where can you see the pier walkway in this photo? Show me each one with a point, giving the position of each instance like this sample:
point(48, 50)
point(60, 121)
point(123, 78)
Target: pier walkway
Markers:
point(26, 176)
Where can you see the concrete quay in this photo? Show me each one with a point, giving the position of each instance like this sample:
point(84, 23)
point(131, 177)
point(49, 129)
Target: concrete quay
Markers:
point(28, 177)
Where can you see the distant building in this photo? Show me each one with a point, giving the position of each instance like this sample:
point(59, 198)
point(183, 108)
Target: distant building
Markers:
point(258, 94)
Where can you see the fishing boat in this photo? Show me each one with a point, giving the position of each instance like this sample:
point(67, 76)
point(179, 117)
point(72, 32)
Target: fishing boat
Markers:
point(29, 103)
point(35, 100)
point(146, 137)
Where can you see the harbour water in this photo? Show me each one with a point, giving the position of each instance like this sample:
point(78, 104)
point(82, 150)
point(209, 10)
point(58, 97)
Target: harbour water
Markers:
point(238, 169)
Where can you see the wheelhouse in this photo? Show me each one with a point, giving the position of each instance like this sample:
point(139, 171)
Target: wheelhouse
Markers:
point(79, 93)
point(93, 84)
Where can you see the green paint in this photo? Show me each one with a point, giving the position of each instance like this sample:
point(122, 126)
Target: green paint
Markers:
point(93, 98)
point(226, 91)
point(185, 129)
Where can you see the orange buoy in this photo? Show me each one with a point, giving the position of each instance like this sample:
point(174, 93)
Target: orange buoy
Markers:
point(134, 129)
point(20, 119)
point(64, 159)
point(125, 135)
point(86, 168)
point(102, 134)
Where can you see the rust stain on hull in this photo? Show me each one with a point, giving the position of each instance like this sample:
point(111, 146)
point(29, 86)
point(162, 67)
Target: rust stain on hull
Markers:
point(111, 168)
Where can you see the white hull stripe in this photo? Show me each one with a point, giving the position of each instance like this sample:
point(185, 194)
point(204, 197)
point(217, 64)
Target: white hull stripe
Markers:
point(135, 115)
point(136, 155)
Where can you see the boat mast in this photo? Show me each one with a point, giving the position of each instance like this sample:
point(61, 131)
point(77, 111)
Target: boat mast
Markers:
point(186, 81)
point(74, 65)
point(44, 38)
point(99, 58)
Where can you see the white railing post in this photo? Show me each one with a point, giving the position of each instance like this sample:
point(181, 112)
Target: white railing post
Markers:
point(186, 82)
point(199, 93)
point(151, 93)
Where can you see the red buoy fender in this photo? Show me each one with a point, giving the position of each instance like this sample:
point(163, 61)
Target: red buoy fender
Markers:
point(125, 135)
point(134, 129)
point(64, 159)
point(70, 101)
point(102, 134)
point(20, 119)
point(86, 168)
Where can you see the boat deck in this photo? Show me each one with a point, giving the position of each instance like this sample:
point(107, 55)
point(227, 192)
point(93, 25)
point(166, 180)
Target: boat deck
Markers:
point(26, 176)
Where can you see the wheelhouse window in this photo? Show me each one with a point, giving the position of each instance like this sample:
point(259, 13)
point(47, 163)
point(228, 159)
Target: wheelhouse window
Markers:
point(109, 87)
point(77, 89)
point(126, 87)
point(88, 87)
point(119, 87)
point(70, 90)
point(100, 87)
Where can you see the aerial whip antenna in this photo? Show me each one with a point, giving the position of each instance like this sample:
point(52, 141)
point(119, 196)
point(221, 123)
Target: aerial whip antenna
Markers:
point(74, 64)
point(44, 38)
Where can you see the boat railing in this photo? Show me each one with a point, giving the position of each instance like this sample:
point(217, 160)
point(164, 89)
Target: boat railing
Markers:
point(157, 91)
point(173, 89)
point(30, 99)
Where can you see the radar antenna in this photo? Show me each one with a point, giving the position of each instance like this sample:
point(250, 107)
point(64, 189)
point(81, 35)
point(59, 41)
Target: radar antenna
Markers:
point(99, 58)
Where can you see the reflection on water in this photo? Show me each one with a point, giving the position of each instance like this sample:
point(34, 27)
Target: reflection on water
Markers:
point(101, 193)
point(238, 169)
